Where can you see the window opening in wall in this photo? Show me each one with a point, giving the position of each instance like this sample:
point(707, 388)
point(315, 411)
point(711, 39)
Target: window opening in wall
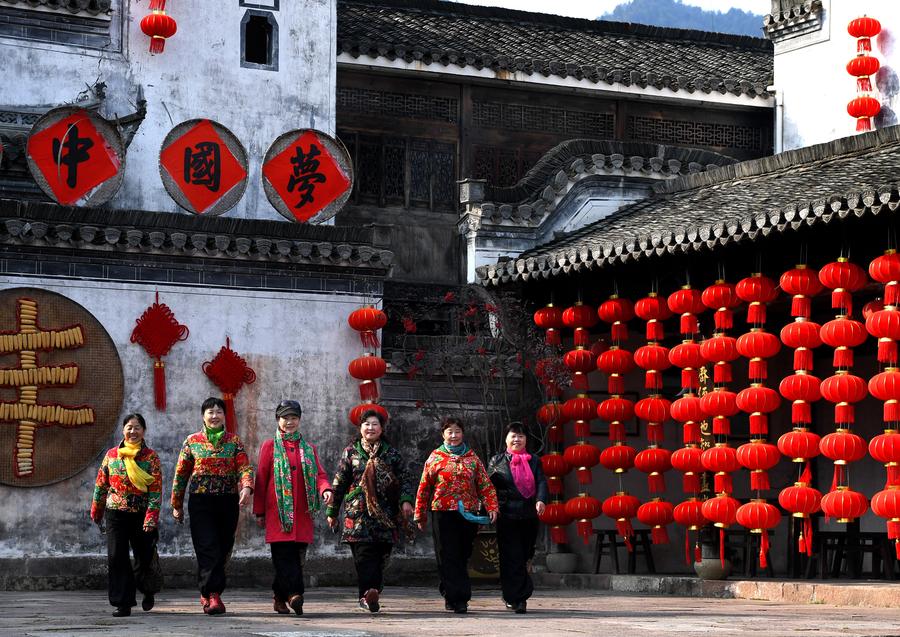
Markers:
point(258, 41)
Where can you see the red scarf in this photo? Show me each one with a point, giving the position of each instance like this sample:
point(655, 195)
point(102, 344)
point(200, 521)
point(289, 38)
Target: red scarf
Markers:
point(522, 475)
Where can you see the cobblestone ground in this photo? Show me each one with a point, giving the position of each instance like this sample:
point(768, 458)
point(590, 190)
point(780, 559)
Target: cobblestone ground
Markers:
point(419, 611)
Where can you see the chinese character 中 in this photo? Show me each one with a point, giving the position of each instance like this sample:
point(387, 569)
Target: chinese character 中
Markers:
point(305, 176)
point(76, 151)
point(202, 166)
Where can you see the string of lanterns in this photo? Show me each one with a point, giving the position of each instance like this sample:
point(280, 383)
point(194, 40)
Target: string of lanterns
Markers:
point(864, 106)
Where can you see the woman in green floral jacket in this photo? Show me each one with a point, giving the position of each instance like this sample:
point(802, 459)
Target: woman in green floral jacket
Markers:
point(377, 491)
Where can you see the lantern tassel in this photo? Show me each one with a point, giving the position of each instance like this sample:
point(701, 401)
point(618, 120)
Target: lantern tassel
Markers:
point(690, 483)
point(368, 390)
point(863, 124)
point(582, 429)
point(841, 299)
point(863, 84)
point(157, 5)
point(887, 350)
point(690, 379)
point(759, 424)
point(656, 482)
point(655, 330)
point(688, 324)
point(687, 547)
point(585, 530)
point(691, 433)
point(615, 384)
point(801, 412)
point(619, 331)
point(698, 553)
point(616, 431)
point(897, 548)
point(893, 475)
point(159, 384)
point(654, 432)
point(721, 426)
point(579, 382)
point(584, 475)
point(843, 358)
point(891, 296)
point(756, 313)
point(652, 379)
point(763, 549)
point(558, 535)
point(723, 483)
point(844, 414)
point(369, 339)
point(723, 319)
point(803, 359)
point(838, 477)
point(801, 543)
point(893, 529)
point(809, 536)
point(582, 337)
point(759, 480)
point(157, 44)
point(863, 45)
point(659, 535)
point(758, 369)
point(623, 526)
point(801, 306)
point(555, 485)
point(891, 411)
point(722, 373)
point(552, 337)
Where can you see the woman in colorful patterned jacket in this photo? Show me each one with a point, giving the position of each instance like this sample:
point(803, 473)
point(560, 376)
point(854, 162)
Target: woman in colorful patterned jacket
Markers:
point(214, 468)
point(290, 487)
point(128, 491)
point(377, 492)
point(454, 485)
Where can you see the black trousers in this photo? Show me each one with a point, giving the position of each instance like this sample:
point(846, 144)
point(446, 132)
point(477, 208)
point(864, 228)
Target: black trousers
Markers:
point(124, 534)
point(214, 520)
point(288, 559)
point(515, 542)
point(453, 537)
point(370, 558)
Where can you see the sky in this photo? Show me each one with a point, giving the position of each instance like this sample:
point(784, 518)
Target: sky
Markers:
point(591, 9)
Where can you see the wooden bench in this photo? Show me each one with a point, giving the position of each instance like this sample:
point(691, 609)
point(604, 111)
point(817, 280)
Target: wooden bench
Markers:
point(608, 542)
point(746, 545)
point(842, 552)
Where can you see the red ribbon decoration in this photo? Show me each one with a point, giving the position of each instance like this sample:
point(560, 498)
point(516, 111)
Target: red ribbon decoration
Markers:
point(229, 372)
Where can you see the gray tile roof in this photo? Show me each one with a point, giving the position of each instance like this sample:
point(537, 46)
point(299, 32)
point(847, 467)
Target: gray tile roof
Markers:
point(851, 176)
point(533, 43)
point(93, 7)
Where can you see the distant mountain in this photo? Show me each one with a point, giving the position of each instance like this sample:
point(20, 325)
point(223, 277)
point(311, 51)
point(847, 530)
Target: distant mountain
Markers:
point(672, 13)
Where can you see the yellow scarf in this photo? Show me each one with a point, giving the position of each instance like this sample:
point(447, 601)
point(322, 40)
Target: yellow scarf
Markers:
point(138, 477)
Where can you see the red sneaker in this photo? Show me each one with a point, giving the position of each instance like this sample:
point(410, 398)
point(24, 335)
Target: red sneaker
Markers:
point(204, 602)
point(216, 607)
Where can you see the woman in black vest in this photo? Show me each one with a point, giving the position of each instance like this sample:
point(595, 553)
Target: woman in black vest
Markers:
point(522, 492)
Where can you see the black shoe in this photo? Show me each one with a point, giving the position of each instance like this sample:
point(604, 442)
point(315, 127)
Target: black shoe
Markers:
point(296, 603)
point(122, 611)
point(461, 609)
point(448, 606)
point(508, 605)
point(520, 608)
point(148, 601)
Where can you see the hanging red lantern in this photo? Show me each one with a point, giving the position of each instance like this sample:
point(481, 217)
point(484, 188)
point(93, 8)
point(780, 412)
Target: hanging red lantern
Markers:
point(229, 372)
point(802, 283)
point(720, 405)
point(758, 457)
point(158, 26)
point(720, 350)
point(757, 345)
point(721, 460)
point(844, 504)
point(842, 447)
point(875, 305)
point(886, 387)
point(653, 359)
point(800, 444)
point(367, 321)
point(655, 411)
point(581, 318)
point(687, 356)
point(550, 414)
point(580, 362)
point(615, 363)
point(583, 509)
point(689, 514)
point(757, 290)
point(555, 467)
point(617, 312)
point(557, 519)
point(801, 501)
point(654, 461)
point(863, 108)
point(355, 414)
point(885, 448)
point(723, 299)
point(886, 270)
point(657, 514)
point(653, 309)
point(864, 29)
point(616, 411)
point(862, 67)
point(843, 279)
point(157, 331)
point(688, 304)
point(622, 508)
point(618, 457)
point(582, 410)
point(843, 334)
point(885, 326)
point(550, 318)
point(583, 456)
point(759, 516)
point(886, 504)
point(687, 461)
point(688, 410)
point(722, 512)
point(802, 336)
point(367, 368)
point(844, 389)
point(758, 401)
point(801, 389)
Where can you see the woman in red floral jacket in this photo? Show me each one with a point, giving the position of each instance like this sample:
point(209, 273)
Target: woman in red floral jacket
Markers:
point(454, 478)
point(128, 491)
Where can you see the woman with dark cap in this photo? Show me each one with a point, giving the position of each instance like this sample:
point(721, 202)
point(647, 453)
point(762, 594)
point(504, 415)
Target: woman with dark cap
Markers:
point(214, 468)
point(290, 487)
point(377, 492)
point(128, 491)
point(454, 485)
point(522, 492)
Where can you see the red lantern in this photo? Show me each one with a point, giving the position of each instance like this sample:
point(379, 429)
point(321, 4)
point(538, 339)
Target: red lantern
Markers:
point(622, 507)
point(886, 504)
point(886, 270)
point(615, 363)
point(722, 460)
point(720, 350)
point(864, 29)
point(616, 411)
point(583, 456)
point(355, 414)
point(757, 290)
point(158, 26)
point(655, 411)
point(581, 318)
point(843, 389)
point(721, 297)
point(843, 334)
point(657, 514)
point(618, 458)
point(367, 321)
point(555, 467)
point(368, 369)
point(800, 445)
point(687, 356)
point(862, 67)
point(844, 504)
point(556, 518)
point(803, 336)
point(582, 410)
point(720, 405)
point(550, 414)
point(758, 457)
point(758, 345)
point(688, 410)
point(687, 461)
point(759, 517)
point(653, 359)
point(863, 108)
point(550, 318)
point(843, 278)
point(758, 401)
point(617, 312)
point(689, 514)
point(801, 501)
point(583, 509)
point(722, 512)
point(801, 389)
point(802, 283)
point(580, 362)
point(885, 448)
point(157, 331)
point(843, 447)
point(654, 461)
point(229, 372)
point(885, 326)
point(886, 387)
point(653, 310)
point(687, 303)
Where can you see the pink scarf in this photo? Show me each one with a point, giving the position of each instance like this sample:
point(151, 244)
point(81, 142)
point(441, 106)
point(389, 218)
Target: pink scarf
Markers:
point(523, 476)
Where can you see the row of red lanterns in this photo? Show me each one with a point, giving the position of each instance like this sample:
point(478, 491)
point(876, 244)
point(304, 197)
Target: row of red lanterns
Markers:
point(369, 367)
point(864, 106)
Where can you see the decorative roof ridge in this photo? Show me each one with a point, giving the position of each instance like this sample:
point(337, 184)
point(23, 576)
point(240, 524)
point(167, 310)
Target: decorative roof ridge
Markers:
point(581, 24)
point(826, 151)
point(797, 10)
point(93, 7)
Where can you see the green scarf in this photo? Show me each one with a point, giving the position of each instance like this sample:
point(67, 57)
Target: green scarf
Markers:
point(458, 450)
point(284, 493)
point(214, 435)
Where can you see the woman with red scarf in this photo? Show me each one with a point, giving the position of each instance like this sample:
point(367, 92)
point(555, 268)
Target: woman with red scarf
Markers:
point(522, 492)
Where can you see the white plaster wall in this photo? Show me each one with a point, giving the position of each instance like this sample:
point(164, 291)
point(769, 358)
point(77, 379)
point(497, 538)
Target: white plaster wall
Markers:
point(199, 75)
point(813, 84)
point(298, 344)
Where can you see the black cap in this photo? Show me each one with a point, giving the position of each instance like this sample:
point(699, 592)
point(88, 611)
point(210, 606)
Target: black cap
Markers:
point(288, 408)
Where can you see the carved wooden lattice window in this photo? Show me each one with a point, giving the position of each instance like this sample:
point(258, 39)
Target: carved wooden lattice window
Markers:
point(545, 119)
point(393, 104)
point(502, 167)
point(398, 171)
point(688, 133)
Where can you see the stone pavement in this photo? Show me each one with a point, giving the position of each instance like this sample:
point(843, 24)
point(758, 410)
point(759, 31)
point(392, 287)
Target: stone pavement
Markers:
point(419, 611)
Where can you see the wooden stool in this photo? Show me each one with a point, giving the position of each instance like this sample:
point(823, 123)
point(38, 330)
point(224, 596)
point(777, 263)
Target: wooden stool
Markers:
point(641, 545)
point(746, 544)
point(608, 542)
point(844, 551)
